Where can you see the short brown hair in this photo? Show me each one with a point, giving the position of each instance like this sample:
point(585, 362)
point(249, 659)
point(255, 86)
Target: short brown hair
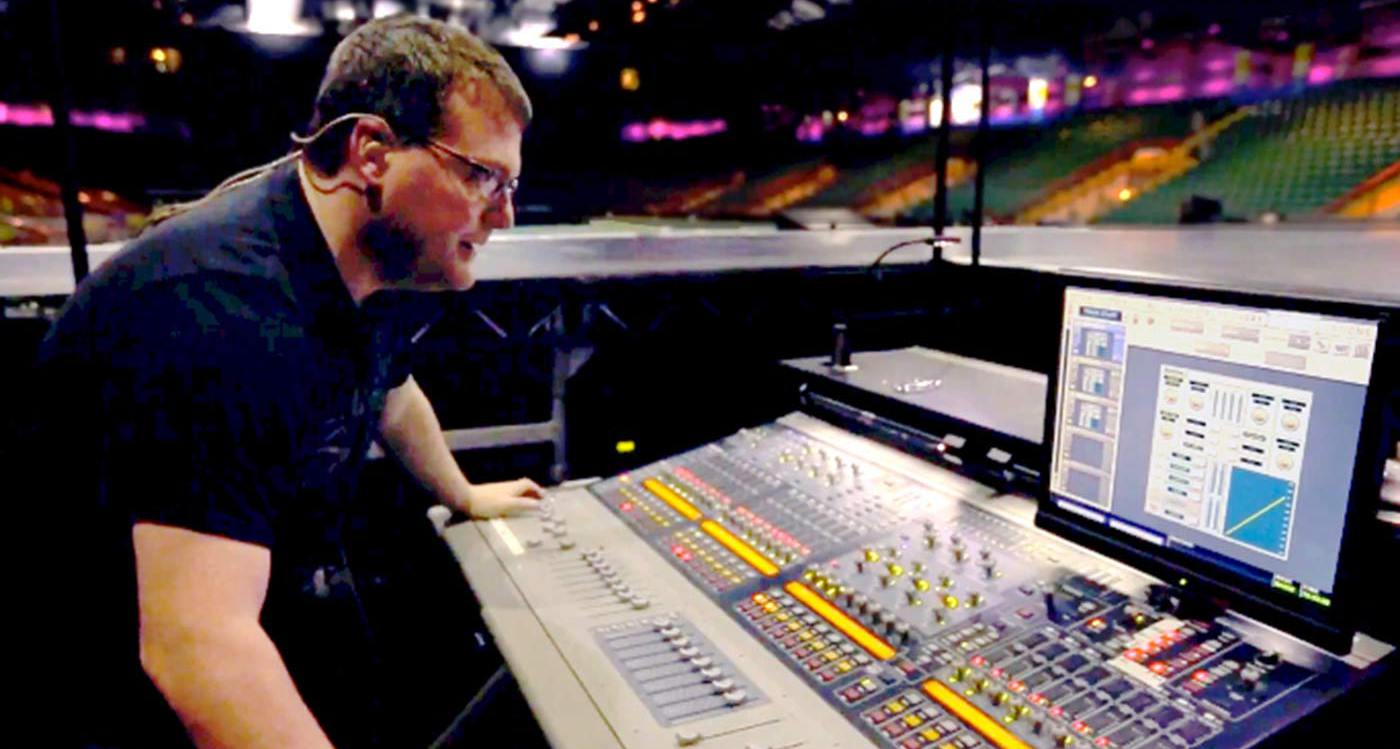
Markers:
point(402, 68)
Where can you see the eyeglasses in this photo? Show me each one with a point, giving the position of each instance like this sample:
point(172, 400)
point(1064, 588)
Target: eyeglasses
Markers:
point(493, 183)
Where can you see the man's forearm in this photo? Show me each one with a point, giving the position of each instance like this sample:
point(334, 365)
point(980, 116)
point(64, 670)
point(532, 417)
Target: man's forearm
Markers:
point(411, 429)
point(228, 684)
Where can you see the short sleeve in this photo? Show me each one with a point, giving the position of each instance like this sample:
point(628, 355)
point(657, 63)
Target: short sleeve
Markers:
point(195, 408)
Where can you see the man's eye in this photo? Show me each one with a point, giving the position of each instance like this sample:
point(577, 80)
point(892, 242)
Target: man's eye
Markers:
point(481, 173)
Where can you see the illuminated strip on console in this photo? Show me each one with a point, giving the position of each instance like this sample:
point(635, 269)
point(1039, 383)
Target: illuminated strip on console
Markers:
point(973, 716)
point(664, 493)
point(740, 549)
point(838, 619)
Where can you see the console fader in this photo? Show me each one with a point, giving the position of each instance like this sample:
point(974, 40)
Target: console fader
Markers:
point(907, 600)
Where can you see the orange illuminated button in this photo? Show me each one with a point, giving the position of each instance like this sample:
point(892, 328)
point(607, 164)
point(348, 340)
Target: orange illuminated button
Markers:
point(740, 549)
point(990, 728)
point(838, 619)
point(686, 509)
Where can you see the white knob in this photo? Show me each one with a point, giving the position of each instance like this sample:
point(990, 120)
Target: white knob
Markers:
point(438, 515)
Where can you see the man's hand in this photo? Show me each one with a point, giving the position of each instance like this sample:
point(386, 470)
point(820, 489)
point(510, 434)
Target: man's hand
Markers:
point(501, 499)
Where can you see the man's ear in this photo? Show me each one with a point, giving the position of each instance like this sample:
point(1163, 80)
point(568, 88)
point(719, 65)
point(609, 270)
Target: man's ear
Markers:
point(369, 147)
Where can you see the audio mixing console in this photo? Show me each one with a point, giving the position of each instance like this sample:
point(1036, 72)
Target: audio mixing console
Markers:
point(795, 585)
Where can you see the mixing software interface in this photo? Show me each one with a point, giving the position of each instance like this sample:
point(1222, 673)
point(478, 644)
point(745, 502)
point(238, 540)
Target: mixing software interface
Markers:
point(1227, 429)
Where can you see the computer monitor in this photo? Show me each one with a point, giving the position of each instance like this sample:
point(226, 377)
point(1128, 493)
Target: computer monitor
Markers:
point(1219, 441)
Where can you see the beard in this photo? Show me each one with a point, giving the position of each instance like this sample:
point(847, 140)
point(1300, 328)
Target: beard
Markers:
point(393, 247)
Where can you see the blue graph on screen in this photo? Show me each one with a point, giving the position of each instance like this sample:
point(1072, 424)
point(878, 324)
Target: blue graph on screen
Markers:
point(1259, 512)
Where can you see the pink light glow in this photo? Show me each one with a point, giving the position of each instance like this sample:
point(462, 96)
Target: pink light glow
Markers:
point(28, 115)
point(660, 129)
point(39, 115)
point(875, 127)
point(1144, 74)
point(1148, 95)
point(1217, 86)
point(1148, 44)
point(1386, 66)
point(1217, 64)
point(1321, 74)
point(1005, 111)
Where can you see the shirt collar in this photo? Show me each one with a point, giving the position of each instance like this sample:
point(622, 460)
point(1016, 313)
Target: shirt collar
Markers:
point(316, 280)
point(311, 268)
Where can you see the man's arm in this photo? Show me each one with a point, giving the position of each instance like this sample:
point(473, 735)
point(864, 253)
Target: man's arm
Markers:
point(411, 429)
point(202, 644)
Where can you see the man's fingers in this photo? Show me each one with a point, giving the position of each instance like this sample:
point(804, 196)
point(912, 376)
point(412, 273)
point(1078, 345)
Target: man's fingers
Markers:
point(528, 488)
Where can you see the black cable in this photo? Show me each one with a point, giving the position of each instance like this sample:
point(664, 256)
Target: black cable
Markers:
point(927, 241)
point(980, 184)
point(68, 188)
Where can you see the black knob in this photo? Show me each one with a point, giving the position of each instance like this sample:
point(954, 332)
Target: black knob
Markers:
point(840, 346)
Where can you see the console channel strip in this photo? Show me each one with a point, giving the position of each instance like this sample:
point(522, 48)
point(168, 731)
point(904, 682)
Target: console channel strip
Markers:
point(759, 503)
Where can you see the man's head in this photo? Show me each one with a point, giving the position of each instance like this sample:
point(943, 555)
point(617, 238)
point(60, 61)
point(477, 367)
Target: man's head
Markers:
point(437, 160)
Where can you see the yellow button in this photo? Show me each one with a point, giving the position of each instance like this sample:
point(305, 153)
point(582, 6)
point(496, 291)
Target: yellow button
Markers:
point(921, 584)
point(783, 616)
point(872, 555)
point(950, 601)
point(913, 720)
point(990, 729)
point(895, 569)
point(670, 497)
point(805, 635)
point(930, 734)
point(894, 708)
point(844, 666)
point(839, 619)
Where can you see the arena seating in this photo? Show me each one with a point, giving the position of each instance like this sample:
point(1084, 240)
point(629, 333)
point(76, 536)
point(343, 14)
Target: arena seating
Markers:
point(1033, 168)
point(1292, 158)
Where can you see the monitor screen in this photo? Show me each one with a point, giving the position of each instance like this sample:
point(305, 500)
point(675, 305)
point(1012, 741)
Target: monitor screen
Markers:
point(1225, 434)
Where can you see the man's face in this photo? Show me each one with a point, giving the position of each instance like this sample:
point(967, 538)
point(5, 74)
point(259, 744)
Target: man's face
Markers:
point(435, 213)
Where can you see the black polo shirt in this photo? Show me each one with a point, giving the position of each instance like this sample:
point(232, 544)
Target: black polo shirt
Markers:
point(216, 375)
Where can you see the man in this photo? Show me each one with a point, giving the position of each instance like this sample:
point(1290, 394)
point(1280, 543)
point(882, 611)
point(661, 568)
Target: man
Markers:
point(217, 384)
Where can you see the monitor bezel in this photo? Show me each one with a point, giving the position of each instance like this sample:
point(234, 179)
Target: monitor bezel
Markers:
point(1332, 627)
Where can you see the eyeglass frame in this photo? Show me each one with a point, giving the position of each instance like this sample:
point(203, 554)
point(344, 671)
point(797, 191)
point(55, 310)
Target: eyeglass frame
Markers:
point(484, 174)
